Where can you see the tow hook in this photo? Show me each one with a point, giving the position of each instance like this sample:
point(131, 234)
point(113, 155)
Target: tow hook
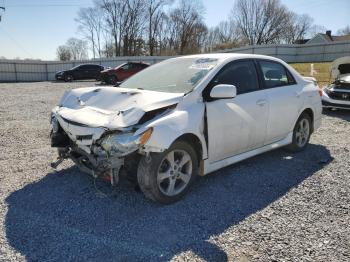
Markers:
point(55, 164)
point(62, 155)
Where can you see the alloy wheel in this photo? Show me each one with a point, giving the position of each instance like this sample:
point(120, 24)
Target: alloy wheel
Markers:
point(303, 132)
point(174, 172)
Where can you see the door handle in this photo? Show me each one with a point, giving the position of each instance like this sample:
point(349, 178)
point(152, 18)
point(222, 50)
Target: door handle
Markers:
point(261, 102)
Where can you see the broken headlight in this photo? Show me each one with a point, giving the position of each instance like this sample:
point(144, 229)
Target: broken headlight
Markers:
point(54, 124)
point(124, 144)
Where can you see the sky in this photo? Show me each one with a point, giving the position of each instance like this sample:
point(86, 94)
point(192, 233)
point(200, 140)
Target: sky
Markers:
point(35, 28)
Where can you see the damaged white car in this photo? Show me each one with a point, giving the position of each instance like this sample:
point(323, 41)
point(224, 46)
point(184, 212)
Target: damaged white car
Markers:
point(337, 95)
point(185, 117)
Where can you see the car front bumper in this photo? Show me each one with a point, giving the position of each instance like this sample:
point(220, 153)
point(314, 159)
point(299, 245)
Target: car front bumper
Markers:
point(59, 77)
point(328, 102)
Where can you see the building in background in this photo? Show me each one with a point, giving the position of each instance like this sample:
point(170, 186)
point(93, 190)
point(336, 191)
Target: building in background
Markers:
point(324, 38)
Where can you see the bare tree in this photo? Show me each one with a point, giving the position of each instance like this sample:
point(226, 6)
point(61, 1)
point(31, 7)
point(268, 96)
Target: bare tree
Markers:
point(316, 29)
point(77, 48)
point(297, 28)
point(115, 16)
point(155, 14)
point(186, 27)
point(91, 24)
point(63, 53)
point(344, 31)
point(133, 43)
point(261, 21)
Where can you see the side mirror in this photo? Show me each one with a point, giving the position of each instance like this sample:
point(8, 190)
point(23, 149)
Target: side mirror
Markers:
point(223, 91)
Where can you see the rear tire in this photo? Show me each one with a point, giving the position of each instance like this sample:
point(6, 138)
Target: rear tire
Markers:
point(166, 177)
point(301, 134)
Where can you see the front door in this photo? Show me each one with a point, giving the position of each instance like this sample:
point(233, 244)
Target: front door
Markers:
point(239, 124)
point(125, 71)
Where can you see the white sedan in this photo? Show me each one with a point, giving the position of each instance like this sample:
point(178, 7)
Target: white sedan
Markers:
point(185, 117)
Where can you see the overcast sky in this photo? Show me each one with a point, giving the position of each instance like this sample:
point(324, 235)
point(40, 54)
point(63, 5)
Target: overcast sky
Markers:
point(34, 28)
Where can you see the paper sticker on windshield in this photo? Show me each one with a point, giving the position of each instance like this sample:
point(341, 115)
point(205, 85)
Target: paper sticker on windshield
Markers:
point(204, 63)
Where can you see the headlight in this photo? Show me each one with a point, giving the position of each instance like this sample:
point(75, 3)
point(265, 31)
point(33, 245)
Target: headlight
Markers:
point(55, 124)
point(124, 144)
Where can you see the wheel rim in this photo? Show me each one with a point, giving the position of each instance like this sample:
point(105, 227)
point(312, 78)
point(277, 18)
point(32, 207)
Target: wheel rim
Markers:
point(174, 172)
point(302, 132)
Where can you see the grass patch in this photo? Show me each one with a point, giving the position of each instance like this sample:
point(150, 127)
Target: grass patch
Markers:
point(322, 71)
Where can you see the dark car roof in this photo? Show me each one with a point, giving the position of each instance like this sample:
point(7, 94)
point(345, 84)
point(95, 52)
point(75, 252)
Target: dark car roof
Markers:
point(140, 63)
point(90, 65)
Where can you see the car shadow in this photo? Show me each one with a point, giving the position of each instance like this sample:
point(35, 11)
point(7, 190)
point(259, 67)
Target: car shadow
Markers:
point(338, 113)
point(63, 217)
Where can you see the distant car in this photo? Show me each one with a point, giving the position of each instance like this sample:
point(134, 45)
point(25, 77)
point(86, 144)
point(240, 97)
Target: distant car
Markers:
point(337, 95)
point(122, 72)
point(81, 72)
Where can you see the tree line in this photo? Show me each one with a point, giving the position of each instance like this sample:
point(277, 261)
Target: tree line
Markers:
point(166, 27)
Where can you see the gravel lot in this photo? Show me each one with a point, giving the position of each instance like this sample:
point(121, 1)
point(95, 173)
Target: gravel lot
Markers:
point(274, 207)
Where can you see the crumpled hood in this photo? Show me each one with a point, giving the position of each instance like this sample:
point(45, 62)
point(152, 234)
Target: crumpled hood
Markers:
point(111, 107)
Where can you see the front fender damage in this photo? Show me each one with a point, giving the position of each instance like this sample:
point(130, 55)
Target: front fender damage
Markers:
point(172, 126)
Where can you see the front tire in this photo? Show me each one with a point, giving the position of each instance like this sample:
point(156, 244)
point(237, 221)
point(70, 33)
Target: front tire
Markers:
point(166, 177)
point(68, 78)
point(301, 134)
point(112, 80)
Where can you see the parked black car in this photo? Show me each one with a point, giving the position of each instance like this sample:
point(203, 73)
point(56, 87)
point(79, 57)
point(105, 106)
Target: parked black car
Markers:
point(80, 72)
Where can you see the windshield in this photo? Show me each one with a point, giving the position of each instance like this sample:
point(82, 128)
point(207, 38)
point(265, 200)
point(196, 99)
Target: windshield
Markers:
point(178, 75)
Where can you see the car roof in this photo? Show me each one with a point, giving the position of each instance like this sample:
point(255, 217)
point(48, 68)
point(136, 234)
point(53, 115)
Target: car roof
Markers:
point(137, 62)
point(231, 56)
point(90, 64)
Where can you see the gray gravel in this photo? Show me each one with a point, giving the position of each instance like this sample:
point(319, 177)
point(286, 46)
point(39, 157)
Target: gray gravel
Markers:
point(274, 207)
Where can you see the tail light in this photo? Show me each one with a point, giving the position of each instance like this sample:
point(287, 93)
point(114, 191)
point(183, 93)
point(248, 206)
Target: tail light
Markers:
point(320, 92)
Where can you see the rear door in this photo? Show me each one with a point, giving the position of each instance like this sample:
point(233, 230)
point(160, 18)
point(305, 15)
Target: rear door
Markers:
point(239, 124)
point(92, 71)
point(84, 71)
point(285, 99)
point(78, 72)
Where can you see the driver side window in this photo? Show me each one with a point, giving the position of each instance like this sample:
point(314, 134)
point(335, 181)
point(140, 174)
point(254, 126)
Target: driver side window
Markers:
point(241, 74)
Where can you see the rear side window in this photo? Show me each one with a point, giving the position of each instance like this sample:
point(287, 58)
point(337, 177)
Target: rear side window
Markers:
point(92, 67)
point(139, 66)
point(275, 74)
point(96, 67)
point(127, 66)
point(82, 67)
point(241, 74)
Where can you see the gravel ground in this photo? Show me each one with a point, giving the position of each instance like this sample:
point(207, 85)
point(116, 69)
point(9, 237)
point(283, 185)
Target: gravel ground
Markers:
point(274, 207)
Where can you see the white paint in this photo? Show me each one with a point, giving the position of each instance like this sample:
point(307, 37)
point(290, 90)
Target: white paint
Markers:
point(211, 167)
point(238, 127)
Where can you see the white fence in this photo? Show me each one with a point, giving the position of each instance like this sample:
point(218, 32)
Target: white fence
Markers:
point(21, 70)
